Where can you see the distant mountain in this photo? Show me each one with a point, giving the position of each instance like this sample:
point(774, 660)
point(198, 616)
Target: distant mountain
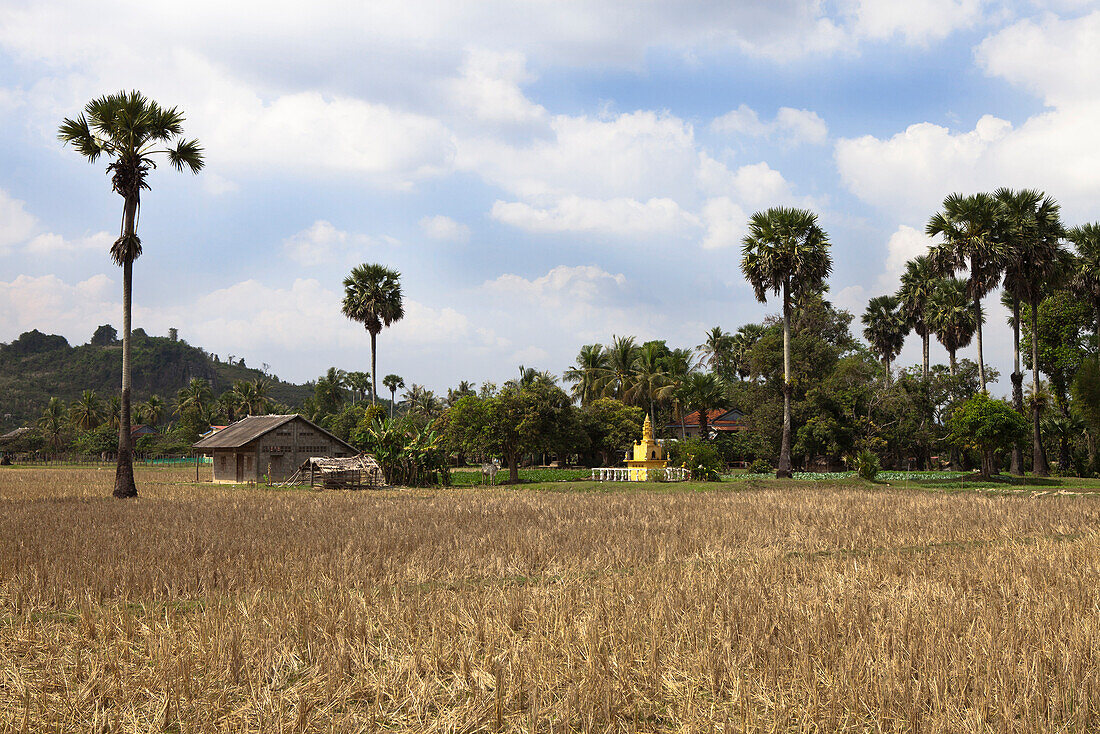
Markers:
point(37, 366)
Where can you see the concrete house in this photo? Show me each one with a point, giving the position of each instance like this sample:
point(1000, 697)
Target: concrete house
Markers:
point(720, 420)
point(268, 447)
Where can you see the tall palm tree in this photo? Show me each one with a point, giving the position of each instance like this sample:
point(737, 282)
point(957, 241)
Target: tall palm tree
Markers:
point(679, 365)
point(465, 388)
point(151, 411)
point(372, 296)
point(785, 252)
point(86, 413)
point(359, 383)
point(620, 363)
point(968, 225)
point(130, 130)
point(917, 285)
point(1032, 232)
point(648, 376)
point(393, 383)
point(113, 412)
point(52, 423)
point(1086, 267)
point(717, 352)
point(951, 317)
point(589, 373)
point(195, 399)
point(885, 328)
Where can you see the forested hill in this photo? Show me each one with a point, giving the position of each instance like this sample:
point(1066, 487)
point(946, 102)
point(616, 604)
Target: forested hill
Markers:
point(37, 366)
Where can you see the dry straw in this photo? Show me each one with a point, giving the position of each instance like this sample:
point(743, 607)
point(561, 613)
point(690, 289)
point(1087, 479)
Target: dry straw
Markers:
point(203, 609)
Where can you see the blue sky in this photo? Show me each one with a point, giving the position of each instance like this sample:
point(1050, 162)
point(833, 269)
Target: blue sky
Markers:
point(544, 174)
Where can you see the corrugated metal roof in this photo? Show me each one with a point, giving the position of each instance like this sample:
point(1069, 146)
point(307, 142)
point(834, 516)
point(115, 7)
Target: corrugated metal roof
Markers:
point(243, 431)
point(249, 429)
point(15, 434)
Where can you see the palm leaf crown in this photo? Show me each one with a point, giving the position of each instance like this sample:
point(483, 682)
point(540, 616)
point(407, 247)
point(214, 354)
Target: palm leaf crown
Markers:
point(130, 129)
point(968, 227)
point(785, 246)
point(372, 296)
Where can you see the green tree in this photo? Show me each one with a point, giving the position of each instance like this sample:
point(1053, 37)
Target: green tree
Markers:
point(1085, 273)
point(1086, 402)
point(986, 425)
point(359, 383)
point(393, 383)
point(372, 296)
point(620, 365)
point(104, 336)
point(717, 352)
point(52, 424)
point(951, 318)
point(589, 373)
point(649, 377)
point(968, 226)
point(918, 284)
point(704, 392)
point(885, 328)
point(787, 253)
point(86, 413)
point(612, 427)
point(130, 130)
point(1062, 340)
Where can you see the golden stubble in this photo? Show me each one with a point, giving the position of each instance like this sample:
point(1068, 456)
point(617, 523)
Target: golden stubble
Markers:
point(198, 608)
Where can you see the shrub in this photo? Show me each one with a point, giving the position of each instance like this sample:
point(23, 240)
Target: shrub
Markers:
point(867, 465)
point(697, 456)
point(986, 425)
point(760, 466)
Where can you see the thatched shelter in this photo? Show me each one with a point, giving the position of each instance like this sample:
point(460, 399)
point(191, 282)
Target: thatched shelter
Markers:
point(353, 472)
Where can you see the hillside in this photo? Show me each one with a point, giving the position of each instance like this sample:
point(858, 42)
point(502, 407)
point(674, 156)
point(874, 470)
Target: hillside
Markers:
point(37, 366)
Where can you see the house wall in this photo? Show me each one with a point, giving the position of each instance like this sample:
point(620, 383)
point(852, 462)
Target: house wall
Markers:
point(226, 462)
point(284, 449)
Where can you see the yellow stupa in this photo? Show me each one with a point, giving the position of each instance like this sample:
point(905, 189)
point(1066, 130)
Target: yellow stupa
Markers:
point(647, 455)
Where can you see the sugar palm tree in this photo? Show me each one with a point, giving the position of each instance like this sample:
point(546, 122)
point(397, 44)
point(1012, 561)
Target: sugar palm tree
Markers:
point(52, 423)
point(1032, 232)
point(589, 373)
point(968, 225)
point(951, 317)
point(130, 130)
point(1086, 267)
point(885, 328)
point(86, 413)
point(372, 296)
point(917, 284)
point(359, 383)
point(393, 383)
point(787, 253)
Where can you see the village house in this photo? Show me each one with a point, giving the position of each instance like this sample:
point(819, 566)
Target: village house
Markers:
point(720, 420)
point(268, 448)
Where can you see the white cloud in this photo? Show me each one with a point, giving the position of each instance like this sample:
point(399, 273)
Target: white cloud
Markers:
point(726, 224)
point(16, 223)
point(54, 244)
point(47, 302)
point(444, 228)
point(218, 185)
point(322, 243)
point(755, 185)
point(489, 87)
point(790, 126)
point(917, 22)
point(560, 286)
point(618, 217)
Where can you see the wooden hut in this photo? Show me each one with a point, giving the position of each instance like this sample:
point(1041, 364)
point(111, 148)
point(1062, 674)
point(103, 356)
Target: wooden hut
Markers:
point(354, 472)
point(268, 448)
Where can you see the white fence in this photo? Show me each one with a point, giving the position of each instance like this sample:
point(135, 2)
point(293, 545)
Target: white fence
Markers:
point(622, 474)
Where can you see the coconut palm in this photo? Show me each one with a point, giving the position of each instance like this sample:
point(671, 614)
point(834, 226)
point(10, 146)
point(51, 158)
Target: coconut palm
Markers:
point(1032, 232)
point(717, 352)
point(951, 317)
point(194, 399)
point(393, 383)
point(113, 411)
point(1085, 279)
point(917, 285)
point(885, 328)
point(968, 225)
point(52, 423)
point(589, 373)
point(465, 388)
point(648, 376)
point(704, 392)
point(359, 384)
point(372, 296)
point(787, 253)
point(679, 365)
point(620, 363)
point(130, 130)
point(86, 413)
point(151, 411)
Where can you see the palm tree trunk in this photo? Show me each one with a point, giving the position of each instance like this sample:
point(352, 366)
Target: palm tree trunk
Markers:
point(124, 469)
point(783, 471)
point(924, 346)
point(373, 370)
point(1038, 455)
point(954, 363)
point(978, 341)
point(703, 424)
point(393, 396)
point(1017, 464)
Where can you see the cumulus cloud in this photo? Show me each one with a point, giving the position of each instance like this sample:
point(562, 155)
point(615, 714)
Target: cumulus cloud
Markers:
point(726, 224)
point(16, 223)
point(444, 228)
point(917, 22)
point(619, 217)
point(323, 243)
point(790, 126)
point(30, 302)
point(560, 286)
